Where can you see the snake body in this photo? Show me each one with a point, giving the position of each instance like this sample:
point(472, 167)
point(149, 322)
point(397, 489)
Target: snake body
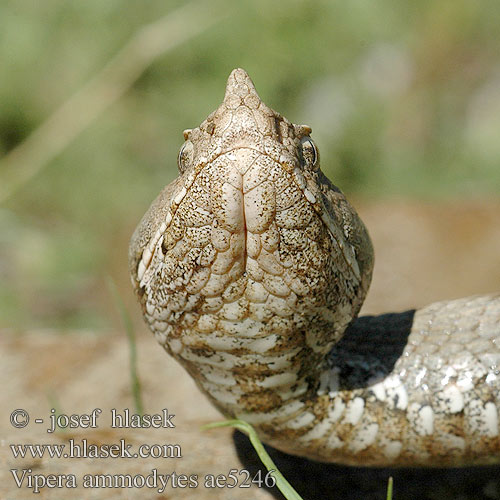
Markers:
point(250, 268)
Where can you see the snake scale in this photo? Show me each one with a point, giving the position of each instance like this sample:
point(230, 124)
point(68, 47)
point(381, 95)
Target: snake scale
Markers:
point(251, 268)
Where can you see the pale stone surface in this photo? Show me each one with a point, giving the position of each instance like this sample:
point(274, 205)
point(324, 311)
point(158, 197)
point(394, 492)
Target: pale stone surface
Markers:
point(80, 372)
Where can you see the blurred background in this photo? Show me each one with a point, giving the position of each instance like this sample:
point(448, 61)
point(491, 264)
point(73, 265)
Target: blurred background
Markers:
point(403, 98)
point(404, 101)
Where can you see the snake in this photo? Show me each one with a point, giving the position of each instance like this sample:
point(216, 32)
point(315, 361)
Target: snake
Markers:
point(251, 268)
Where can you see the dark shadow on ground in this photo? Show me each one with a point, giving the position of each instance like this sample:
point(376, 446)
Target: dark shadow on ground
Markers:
point(314, 480)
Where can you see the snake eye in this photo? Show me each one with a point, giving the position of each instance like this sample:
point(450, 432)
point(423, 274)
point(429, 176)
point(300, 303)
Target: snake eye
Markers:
point(185, 156)
point(309, 152)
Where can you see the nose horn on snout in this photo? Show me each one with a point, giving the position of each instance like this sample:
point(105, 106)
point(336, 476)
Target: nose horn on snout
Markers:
point(239, 84)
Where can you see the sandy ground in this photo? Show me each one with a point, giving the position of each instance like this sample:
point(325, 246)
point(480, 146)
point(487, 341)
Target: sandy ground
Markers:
point(424, 253)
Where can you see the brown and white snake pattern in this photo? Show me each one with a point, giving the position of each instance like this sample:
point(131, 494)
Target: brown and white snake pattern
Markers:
point(250, 268)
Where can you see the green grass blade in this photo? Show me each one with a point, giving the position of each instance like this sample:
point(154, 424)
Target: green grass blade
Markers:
point(284, 486)
point(389, 489)
point(129, 329)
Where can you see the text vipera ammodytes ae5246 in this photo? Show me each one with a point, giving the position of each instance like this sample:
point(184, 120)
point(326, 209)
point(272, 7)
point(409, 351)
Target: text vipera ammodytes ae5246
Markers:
point(249, 268)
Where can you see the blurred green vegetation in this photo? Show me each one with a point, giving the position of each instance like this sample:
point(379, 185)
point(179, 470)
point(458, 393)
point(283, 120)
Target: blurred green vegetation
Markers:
point(403, 98)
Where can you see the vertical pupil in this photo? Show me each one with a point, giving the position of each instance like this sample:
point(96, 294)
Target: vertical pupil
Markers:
point(309, 152)
point(180, 158)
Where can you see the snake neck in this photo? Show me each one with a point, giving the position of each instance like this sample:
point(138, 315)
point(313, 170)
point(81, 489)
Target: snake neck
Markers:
point(249, 282)
point(251, 302)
